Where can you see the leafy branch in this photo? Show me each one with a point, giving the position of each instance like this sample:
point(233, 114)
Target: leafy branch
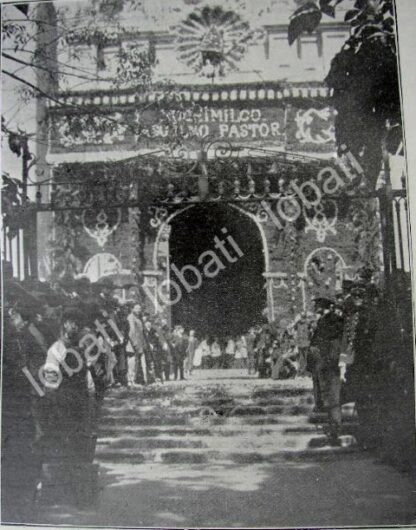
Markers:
point(363, 77)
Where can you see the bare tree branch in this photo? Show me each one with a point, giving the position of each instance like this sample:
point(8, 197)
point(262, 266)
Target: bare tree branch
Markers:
point(25, 63)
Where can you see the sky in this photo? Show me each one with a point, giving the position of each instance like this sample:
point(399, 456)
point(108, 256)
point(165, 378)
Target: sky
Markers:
point(18, 113)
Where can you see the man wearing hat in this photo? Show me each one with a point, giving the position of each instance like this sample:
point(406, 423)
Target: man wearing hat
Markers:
point(325, 352)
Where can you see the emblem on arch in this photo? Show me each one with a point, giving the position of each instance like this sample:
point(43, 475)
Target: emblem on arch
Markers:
point(212, 40)
point(315, 126)
point(322, 219)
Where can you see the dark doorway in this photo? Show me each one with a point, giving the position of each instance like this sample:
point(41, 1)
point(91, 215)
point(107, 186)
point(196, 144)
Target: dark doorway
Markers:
point(233, 300)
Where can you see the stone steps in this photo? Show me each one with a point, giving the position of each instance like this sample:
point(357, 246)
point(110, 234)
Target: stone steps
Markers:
point(203, 400)
point(226, 455)
point(225, 430)
point(216, 440)
point(200, 422)
point(219, 426)
point(190, 390)
point(204, 420)
point(236, 410)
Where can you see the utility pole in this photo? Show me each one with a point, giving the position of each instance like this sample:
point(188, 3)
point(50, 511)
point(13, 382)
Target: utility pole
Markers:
point(389, 246)
point(47, 82)
point(27, 236)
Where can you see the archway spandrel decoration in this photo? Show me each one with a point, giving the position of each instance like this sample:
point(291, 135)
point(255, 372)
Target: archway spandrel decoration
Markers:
point(322, 219)
point(364, 223)
point(100, 265)
point(315, 126)
point(323, 273)
point(100, 225)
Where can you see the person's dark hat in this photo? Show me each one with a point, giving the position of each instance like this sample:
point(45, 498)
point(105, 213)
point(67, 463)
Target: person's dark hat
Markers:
point(67, 282)
point(26, 309)
point(325, 303)
point(365, 273)
point(75, 313)
point(51, 299)
point(82, 284)
point(92, 312)
point(358, 289)
point(96, 288)
point(46, 295)
point(106, 283)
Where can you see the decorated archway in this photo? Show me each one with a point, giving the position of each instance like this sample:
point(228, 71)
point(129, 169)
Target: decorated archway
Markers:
point(212, 255)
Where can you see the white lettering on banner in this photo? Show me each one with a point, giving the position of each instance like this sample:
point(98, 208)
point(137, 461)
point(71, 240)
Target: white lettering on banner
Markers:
point(214, 115)
point(226, 123)
point(250, 130)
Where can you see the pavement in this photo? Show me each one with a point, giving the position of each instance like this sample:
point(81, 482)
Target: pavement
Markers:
point(227, 449)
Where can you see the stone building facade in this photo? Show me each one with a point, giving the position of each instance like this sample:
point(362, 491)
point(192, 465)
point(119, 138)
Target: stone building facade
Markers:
point(254, 117)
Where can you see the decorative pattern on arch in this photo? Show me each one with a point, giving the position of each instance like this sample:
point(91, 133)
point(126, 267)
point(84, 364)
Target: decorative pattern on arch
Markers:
point(323, 272)
point(260, 227)
point(163, 231)
point(101, 265)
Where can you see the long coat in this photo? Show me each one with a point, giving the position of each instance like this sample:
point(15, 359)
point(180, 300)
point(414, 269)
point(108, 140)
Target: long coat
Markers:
point(180, 345)
point(136, 334)
point(326, 340)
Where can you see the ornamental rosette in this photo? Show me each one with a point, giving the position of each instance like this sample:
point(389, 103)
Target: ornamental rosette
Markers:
point(212, 41)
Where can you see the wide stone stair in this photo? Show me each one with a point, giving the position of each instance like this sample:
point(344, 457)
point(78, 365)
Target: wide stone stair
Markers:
point(231, 418)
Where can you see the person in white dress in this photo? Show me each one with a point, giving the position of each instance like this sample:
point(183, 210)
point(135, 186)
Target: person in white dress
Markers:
point(216, 354)
point(230, 353)
point(190, 352)
point(202, 352)
point(241, 353)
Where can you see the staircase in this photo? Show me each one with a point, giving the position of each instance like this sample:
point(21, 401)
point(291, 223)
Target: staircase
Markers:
point(225, 450)
point(219, 417)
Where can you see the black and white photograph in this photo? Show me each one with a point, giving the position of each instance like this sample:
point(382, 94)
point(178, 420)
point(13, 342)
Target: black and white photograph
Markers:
point(206, 257)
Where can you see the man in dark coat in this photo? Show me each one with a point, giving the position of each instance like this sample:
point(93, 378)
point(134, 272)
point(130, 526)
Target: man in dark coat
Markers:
point(155, 350)
point(358, 360)
point(326, 350)
point(180, 345)
point(20, 459)
point(165, 338)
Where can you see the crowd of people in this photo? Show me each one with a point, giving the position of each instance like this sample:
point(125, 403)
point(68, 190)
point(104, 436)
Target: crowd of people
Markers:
point(66, 342)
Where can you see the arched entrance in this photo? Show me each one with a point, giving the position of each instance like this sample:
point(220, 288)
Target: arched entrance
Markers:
point(227, 249)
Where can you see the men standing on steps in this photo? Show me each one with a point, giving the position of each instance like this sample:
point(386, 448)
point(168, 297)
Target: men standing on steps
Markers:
point(325, 353)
